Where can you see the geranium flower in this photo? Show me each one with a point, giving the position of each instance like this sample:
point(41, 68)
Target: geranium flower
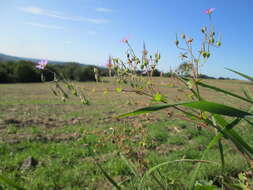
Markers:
point(42, 64)
point(124, 40)
point(109, 64)
point(209, 11)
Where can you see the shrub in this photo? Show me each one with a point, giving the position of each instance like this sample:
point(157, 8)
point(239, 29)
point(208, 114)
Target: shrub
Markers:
point(25, 72)
point(84, 74)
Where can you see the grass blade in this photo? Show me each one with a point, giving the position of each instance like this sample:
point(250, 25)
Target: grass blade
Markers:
point(241, 74)
point(217, 108)
point(221, 155)
point(247, 94)
point(201, 105)
point(108, 176)
point(233, 135)
point(225, 92)
point(130, 165)
point(151, 170)
point(148, 109)
point(226, 128)
point(10, 183)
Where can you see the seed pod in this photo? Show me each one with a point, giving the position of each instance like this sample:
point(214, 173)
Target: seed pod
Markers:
point(211, 41)
point(218, 43)
point(157, 56)
point(204, 54)
point(145, 52)
point(203, 30)
point(190, 40)
point(177, 42)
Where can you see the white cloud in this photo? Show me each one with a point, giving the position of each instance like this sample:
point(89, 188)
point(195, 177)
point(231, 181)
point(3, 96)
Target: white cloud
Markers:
point(58, 15)
point(45, 26)
point(105, 10)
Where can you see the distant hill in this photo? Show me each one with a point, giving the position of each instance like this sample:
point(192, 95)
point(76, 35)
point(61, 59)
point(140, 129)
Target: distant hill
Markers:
point(4, 57)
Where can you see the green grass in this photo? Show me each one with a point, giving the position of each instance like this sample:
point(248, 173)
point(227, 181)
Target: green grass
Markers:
point(66, 137)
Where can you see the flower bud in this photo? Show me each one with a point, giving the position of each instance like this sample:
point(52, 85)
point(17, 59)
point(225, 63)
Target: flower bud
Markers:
point(218, 43)
point(145, 52)
point(157, 56)
point(203, 30)
point(145, 62)
point(190, 40)
point(204, 54)
point(208, 55)
point(183, 36)
point(177, 42)
point(211, 41)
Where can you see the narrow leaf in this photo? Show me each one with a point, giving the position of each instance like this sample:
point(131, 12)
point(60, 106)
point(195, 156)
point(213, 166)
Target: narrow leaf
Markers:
point(217, 108)
point(247, 94)
point(130, 165)
point(201, 105)
point(108, 177)
point(221, 155)
point(241, 74)
point(225, 92)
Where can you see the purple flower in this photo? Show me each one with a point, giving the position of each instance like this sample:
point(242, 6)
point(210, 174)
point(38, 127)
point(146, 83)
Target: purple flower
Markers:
point(41, 64)
point(209, 11)
point(125, 40)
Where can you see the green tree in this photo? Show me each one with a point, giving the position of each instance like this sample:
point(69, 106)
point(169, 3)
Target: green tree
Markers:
point(26, 72)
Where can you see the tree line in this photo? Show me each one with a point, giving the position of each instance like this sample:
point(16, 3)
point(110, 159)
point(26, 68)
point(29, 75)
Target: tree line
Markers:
point(25, 71)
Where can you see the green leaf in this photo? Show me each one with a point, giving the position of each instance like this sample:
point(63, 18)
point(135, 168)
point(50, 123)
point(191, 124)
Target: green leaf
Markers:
point(158, 97)
point(241, 74)
point(227, 127)
point(217, 108)
point(148, 109)
point(247, 94)
point(201, 105)
point(225, 92)
point(228, 131)
point(221, 155)
point(118, 89)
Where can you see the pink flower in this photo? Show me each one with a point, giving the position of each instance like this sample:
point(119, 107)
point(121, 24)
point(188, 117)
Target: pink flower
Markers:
point(109, 64)
point(124, 40)
point(42, 64)
point(209, 11)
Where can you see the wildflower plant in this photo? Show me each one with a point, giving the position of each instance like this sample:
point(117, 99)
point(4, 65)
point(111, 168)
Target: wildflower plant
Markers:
point(136, 73)
point(197, 109)
point(62, 87)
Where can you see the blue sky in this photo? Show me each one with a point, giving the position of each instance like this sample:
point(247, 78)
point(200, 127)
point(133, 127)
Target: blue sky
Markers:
point(87, 31)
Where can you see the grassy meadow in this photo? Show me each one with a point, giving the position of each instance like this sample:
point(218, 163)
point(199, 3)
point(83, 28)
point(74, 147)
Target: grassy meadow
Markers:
point(67, 138)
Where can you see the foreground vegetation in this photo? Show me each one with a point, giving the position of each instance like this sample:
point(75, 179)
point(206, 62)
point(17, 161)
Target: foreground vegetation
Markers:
point(68, 141)
point(196, 142)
